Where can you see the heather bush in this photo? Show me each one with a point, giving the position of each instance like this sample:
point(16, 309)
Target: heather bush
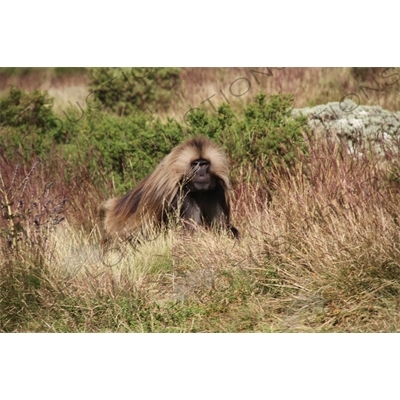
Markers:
point(27, 122)
point(125, 91)
point(127, 148)
point(266, 135)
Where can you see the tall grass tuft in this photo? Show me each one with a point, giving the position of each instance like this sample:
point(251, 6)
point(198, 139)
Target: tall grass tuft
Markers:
point(319, 253)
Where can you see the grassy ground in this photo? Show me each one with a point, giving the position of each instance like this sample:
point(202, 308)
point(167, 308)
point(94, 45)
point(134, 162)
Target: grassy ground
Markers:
point(210, 87)
point(319, 254)
point(322, 256)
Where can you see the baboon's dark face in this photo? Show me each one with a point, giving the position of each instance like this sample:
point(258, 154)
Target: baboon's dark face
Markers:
point(202, 179)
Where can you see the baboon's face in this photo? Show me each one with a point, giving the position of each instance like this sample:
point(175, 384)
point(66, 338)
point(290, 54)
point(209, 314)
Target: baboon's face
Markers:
point(202, 179)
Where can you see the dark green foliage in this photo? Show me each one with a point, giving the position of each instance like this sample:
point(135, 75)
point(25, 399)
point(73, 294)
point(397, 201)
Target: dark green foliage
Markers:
point(23, 110)
point(125, 149)
point(267, 135)
point(271, 133)
point(126, 90)
point(27, 122)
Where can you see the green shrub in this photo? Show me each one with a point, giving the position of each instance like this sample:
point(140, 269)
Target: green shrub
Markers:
point(27, 122)
point(271, 133)
point(126, 90)
point(24, 110)
point(267, 135)
point(125, 149)
point(129, 147)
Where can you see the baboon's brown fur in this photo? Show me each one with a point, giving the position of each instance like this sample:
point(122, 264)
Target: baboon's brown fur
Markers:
point(150, 202)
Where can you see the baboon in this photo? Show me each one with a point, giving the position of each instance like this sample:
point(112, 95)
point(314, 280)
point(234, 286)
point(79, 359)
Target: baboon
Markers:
point(191, 182)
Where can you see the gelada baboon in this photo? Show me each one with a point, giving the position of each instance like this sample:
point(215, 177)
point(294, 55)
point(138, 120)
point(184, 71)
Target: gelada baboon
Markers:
point(191, 182)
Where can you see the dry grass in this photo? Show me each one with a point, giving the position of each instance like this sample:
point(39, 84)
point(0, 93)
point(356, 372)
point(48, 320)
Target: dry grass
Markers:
point(210, 87)
point(321, 256)
point(320, 247)
point(333, 234)
point(67, 89)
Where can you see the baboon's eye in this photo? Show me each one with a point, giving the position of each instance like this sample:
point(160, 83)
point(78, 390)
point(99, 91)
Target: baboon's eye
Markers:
point(199, 163)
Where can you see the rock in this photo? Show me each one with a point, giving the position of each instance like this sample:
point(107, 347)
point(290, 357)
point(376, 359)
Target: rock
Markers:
point(354, 123)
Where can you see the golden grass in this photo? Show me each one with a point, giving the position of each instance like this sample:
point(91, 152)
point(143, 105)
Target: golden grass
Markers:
point(80, 258)
point(66, 90)
point(321, 256)
point(319, 249)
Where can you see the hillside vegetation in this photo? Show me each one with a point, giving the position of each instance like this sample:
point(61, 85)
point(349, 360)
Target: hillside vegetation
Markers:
point(315, 168)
